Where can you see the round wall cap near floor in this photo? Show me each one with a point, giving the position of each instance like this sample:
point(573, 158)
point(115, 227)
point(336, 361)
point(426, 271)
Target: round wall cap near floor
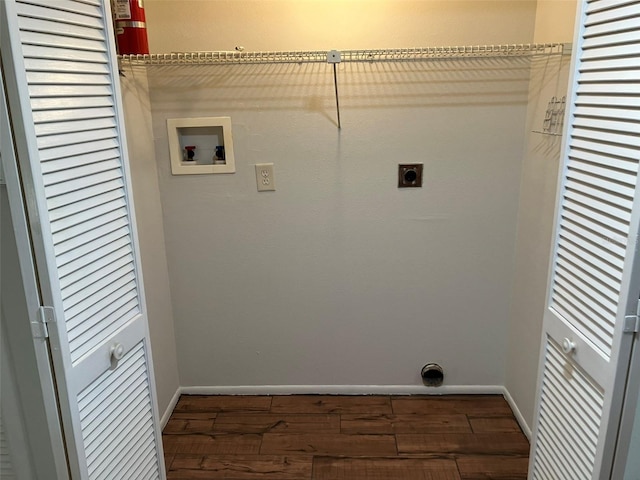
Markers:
point(432, 375)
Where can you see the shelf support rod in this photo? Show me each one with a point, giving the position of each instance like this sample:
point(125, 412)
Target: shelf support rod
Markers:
point(334, 57)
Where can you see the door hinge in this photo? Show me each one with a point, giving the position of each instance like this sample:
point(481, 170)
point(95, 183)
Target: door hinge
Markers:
point(40, 329)
point(631, 324)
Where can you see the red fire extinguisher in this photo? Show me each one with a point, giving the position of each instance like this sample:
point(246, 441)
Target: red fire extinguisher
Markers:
point(131, 27)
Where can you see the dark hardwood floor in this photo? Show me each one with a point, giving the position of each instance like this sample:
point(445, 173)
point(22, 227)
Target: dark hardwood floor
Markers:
point(304, 437)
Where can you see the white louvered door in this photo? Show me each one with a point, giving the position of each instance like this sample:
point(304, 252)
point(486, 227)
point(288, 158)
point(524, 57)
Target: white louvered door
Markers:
point(6, 465)
point(61, 72)
point(594, 282)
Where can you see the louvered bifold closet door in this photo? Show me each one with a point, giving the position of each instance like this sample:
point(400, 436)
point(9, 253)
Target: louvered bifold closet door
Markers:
point(6, 465)
point(593, 285)
point(65, 100)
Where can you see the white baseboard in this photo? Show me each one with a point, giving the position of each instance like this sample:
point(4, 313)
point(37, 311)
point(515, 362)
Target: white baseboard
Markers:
point(344, 390)
point(517, 413)
point(170, 408)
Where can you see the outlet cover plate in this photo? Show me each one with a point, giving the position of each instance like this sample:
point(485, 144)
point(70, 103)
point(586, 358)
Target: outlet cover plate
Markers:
point(264, 177)
point(410, 175)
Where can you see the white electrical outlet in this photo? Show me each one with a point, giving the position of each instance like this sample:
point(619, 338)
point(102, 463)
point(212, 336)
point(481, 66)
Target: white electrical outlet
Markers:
point(264, 177)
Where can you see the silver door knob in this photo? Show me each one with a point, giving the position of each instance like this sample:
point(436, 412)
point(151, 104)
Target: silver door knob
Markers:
point(568, 346)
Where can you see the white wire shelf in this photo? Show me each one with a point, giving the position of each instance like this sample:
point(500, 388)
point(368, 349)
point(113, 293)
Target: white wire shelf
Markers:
point(385, 55)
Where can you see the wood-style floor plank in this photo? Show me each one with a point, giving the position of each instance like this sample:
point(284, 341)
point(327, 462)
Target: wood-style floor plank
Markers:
point(331, 404)
point(330, 468)
point(169, 444)
point(494, 424)
point(328, 444)
point(472, 405)
point(189, 415)
point(493, 467)
point(219, 444)
point(240, 467)
point(463, 443)
point(177, 426)
point(271, 423)
point(222, 403)
point(381, 424)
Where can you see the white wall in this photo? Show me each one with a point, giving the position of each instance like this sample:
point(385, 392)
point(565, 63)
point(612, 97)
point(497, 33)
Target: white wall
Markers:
point(137, 110)
point(192, 25)
point(555, 21)
point(338, 277)
point(549, 77)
